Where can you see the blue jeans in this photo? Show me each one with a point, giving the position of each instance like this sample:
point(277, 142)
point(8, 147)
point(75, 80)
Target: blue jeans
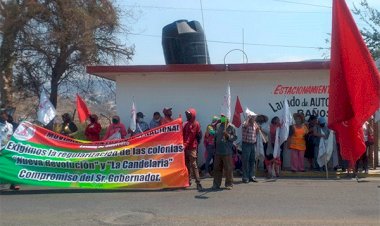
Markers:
point(210, 150)
point(248, 160)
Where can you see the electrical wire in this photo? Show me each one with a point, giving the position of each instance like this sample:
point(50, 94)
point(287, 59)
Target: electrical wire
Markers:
point(239, 43)
point(225, 10)
point(302, 3)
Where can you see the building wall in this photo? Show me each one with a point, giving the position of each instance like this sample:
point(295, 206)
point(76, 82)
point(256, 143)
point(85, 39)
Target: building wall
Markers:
point(260, 91)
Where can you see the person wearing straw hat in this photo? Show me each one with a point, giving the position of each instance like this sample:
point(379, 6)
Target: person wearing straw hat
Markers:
point(249, 133)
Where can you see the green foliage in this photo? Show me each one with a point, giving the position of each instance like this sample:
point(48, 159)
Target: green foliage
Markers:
point(49, 42)
point(371, 33)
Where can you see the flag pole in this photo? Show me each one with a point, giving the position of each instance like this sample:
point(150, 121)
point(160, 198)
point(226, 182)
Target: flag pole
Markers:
point(325, 154)
point(262, 136)
point(327, 171)
point(75, 111)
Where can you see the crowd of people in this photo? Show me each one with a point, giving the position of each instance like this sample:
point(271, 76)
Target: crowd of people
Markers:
point(116, 129)
point(304, 142)
point(223, 154)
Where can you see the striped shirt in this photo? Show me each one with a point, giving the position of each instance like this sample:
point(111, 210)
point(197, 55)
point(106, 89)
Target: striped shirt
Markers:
point(249, 133)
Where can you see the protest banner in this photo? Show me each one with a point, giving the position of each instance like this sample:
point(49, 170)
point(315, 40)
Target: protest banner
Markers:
point(151, 160)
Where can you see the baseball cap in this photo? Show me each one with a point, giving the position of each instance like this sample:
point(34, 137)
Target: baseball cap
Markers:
point(140, 115)
point(322, 120)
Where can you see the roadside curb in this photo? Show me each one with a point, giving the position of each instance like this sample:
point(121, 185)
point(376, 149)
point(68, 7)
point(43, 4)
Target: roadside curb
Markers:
point(312, 174)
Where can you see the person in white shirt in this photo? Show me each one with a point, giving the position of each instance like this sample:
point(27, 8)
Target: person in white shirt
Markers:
point(6, 131)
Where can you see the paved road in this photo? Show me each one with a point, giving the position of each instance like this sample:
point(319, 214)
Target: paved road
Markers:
point(282, 202)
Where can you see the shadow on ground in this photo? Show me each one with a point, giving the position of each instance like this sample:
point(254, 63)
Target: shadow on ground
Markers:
point(73, 191)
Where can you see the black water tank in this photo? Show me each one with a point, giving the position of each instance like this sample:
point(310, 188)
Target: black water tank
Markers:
point(184, 43)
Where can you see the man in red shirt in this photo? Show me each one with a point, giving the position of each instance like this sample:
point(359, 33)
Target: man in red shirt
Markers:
point(93, 129)
point(191, 137)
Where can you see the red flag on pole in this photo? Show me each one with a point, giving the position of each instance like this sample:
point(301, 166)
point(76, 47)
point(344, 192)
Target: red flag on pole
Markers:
point(82, 109)
point(238, 110)
point(354, 83)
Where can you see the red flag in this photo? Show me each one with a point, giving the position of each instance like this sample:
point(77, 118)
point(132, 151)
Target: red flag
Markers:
point(82, 109)
point(354, 83)
point(238, 110)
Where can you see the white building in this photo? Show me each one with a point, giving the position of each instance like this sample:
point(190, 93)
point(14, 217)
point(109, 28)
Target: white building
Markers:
point(261, 87)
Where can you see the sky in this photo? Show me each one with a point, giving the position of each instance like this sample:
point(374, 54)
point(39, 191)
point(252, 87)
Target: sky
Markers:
point(274, 30)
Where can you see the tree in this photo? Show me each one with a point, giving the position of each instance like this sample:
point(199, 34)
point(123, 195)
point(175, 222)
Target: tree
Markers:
point(65, 37)
point(14, 14)
point(371, 33)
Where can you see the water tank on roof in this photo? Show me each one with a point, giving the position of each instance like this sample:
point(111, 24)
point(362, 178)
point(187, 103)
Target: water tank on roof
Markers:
point(184, 42)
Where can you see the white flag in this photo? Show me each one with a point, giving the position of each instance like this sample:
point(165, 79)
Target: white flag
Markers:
point(46, 111)
point(277, 149)
point(377, 115)
point(325, 149)
point(226, 106)
point(286, 121)
point(282, 133)
point(132, 124)
point(115, 136)
point(259, 153)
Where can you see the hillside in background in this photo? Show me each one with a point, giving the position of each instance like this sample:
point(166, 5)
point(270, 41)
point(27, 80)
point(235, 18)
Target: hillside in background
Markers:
point(26, 109)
